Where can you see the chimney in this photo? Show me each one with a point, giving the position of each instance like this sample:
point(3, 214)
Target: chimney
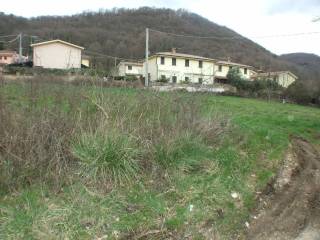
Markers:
point(174, 50)
point(229, 59)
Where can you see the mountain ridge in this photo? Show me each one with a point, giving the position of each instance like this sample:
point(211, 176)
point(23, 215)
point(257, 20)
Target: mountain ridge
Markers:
point(121, 33)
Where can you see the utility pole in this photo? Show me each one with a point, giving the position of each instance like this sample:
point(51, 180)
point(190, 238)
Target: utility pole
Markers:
point(30, 48)
point(115, 71)
point(146, 79)
point(20, 47)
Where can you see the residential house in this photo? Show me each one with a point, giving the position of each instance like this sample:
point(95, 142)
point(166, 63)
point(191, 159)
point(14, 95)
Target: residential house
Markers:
point(57, 54)
point(284, 78)
point(85, 60)
point(10, 57)
point(222, 68)
point(126, 68)
point(178, 68)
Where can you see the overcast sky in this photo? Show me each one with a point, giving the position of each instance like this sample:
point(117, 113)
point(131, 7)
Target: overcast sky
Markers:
point(251, 18)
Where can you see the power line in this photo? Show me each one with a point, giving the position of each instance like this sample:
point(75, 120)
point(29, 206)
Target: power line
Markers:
point(10, 41)
point(234, 37)
point(108, 56)
point(6, 36)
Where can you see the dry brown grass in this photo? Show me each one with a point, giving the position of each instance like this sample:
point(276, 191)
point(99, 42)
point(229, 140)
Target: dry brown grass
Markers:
point(45, 141)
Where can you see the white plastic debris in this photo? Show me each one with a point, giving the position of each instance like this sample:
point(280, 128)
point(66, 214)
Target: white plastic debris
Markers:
point(191, 207)
point(234, 195)
point(247, 224)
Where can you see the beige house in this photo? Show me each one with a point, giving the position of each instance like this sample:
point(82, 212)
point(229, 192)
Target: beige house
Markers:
point(56, 54)
point(222, 68)
point(178, 68)
point(85, 60)
point(284, 78)
point(9, 57)
point(126, 68)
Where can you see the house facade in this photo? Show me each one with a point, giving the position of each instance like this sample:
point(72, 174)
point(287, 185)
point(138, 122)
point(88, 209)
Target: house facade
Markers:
point(8, 57)
point(222, 68)
point(126, 68)
point(176, 67)
point(56, 54)
point(284, 78)
point(85, 60)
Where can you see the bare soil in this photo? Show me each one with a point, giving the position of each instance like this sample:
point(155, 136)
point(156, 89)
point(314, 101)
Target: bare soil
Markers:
point(289, 208)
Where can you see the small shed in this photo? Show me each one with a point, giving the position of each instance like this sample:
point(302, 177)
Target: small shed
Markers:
point(57, 54)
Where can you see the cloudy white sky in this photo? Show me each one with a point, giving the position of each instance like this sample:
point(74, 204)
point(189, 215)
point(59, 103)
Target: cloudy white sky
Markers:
point(251, 18)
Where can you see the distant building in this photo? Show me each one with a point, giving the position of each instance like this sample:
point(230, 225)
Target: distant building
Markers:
point(56, 54)
point(10, 57)
point(222, 68)
point(178, 67)
point(126, 68)
point(85, 60)
point(284, 78)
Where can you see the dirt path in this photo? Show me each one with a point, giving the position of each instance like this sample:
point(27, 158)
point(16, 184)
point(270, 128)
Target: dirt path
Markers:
point(290, 207)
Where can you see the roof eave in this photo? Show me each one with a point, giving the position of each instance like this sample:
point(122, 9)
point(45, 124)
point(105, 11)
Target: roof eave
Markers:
point(56, 41)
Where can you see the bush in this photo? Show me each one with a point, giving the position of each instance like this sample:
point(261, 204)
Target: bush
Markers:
point(265, 88)
point(130, 78)
point(34, 146)
point(302, 94)
point(163, 80)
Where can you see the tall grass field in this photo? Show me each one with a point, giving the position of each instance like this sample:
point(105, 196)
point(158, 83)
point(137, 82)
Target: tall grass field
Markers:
point(89, 162)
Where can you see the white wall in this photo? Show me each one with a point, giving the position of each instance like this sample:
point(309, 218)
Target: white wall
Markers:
point(193, 72)
point(285, 79)
point(152, 69)
point(123, 69)
point(56, 55)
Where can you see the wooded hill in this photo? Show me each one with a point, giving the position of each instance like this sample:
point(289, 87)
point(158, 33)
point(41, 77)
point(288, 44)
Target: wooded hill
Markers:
point(121, 33)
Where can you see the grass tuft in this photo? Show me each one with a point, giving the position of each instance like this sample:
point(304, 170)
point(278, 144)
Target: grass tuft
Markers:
point(107, 157)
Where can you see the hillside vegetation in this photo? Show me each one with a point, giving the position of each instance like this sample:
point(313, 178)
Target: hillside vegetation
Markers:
point(121, 33)
point(85, 162)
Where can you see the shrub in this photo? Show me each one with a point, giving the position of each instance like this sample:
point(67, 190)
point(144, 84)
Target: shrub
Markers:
point(34, 147)
point(300, 93)
point(131, 78)
point(163, 80)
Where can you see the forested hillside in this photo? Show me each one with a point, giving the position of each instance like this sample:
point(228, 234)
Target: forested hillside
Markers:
point(121, 33)
point(310, 62)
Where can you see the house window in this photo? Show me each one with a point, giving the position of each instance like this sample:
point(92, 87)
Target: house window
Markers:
point(174, 61)
point(200, 64)
point(187, 62)
point(174, 79)
point(186, 79)
point(162, 60)
point(220, 68)
point(200, 80)
point(5, 57)
point(246, 71)
point(0, 57)
point(163, 77)
point(129, 67)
